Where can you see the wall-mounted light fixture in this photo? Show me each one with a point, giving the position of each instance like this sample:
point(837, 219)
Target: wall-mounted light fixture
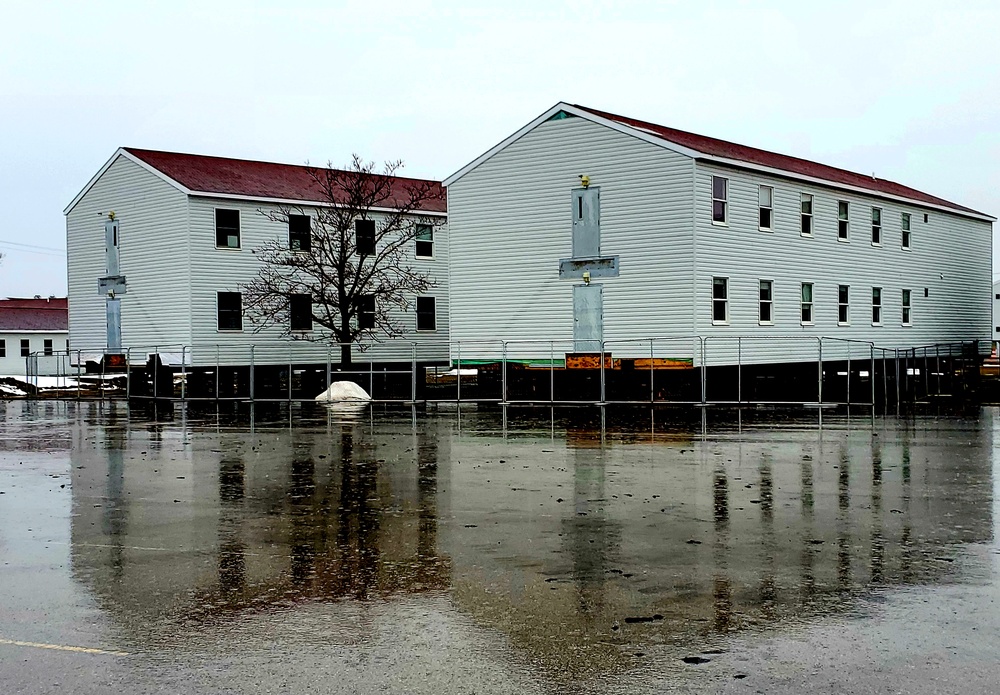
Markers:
point(586, 277)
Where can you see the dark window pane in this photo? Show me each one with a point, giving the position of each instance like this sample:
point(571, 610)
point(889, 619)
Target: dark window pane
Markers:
point(227, 228)
point(299, 232)
point(426, 314)
point(718, 211)
point(765, 218)
point(807, 224)
point(718, 310)
point(25, 348)
point(47, 346)
point(300, 312)
point(3, 348)
point(719, 288)
point(425, 240)
point(366, 311)
point(230, 311)
point(718, 188)
point(365, 232)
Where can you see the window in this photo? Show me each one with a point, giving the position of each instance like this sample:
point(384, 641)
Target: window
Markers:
point(906, 307)
point(426, 314)
point(765, 301)
point(3, 347)
point(365, 232)
point(300, 312)
point(366, 311)
point(806, 203)
point(425, 241)
point(230, 310)
point(927, 218)
point(807, 302)
point(299, 232)
point(876, 226)
point(904, 223)
point(47, 346)
point(227, 229)
point(765, 201)
point(25, 347)
point(876, 306)
point(843, 305)
point(843, 210)
point(720, 197)
point(720, 300)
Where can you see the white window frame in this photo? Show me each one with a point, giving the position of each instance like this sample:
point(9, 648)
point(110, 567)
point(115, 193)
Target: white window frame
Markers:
point(906, 231)
point(761, 208)
point(769, 302)
point(876, 306)
point(811, 303)
point(239, 230)
point(846, 220)
point(845, 305)
point(417, 241)
point(876, 226)
point(228, 330)
point(723, 300)
point(803, 216)
point(724, 200)
point(906, 308)
point(416, 314)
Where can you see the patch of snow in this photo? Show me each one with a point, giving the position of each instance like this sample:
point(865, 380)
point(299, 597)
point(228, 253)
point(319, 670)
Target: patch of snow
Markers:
point(340, 391)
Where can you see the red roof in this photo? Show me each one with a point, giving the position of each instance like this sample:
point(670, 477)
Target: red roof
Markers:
point(243, 177)
point(803, 167)
point(49, 314)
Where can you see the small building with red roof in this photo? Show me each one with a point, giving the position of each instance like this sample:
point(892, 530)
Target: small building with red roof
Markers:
point(187, 229)
point(31, 326)
point(588, 228)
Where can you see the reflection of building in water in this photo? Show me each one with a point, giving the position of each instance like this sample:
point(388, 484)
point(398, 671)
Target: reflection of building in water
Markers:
point(228, 523)
point(663, 543)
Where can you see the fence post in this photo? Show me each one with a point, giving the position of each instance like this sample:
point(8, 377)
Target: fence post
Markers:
point(652, 389)
point(289, 379)
point(503, 372)
point(704, 374)
point(217, 367)
point(849, 372)
point(819, 377)
point(603, 394)
point(897, 382)
point(458, 372)
point(128, 374)
point(413, 373)
point(328, 368)
point(739, 370)
point(252, 370)
point(871, 375)
point(79, 357)
point(371, 378)
point(183, 372)
point(552, 371)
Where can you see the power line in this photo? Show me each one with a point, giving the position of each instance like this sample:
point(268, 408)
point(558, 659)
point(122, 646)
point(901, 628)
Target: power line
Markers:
point(32, 248)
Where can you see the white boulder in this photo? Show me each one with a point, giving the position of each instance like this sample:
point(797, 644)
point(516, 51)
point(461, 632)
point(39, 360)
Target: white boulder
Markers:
point(344, 391)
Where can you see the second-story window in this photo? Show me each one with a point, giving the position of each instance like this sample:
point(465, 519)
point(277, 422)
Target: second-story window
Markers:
point(906, 307)
point(424, 241)
point(366, 312)
point(300, 314)
point(806, 203)
point(720, 300)
point(364, 231)
point(844, 305)
point(807, 302)
point(720, 200)
point(227, 229)
point(765, 302)
point(299, 232)
point(876, 306)
point(904, 223)
point(765, 202)
point(876, 226)
point(843, 212)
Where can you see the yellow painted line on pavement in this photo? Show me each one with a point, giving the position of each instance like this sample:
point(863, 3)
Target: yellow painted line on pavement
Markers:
point(62, 647)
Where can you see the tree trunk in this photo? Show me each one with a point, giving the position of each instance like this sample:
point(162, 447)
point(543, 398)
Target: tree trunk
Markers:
point(345, 354)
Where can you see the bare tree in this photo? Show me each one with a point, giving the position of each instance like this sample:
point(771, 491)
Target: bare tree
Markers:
point(353, 259)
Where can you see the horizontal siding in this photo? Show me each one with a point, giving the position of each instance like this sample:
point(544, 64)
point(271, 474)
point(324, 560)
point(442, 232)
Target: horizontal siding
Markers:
point(511, 221)
point(152, 253)
point(216, 270)
point(950, 256)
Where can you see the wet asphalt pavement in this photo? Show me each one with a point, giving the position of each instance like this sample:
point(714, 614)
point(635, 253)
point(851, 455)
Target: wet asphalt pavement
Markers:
point(446, 551)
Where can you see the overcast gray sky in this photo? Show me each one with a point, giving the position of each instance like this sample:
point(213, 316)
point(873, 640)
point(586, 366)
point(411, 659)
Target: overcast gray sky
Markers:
point(907, 90)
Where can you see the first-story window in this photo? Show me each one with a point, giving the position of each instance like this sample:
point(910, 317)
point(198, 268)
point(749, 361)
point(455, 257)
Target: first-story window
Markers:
point(230, 310)
point(299, 232)
point(720, 300)
point(807, 302)
point(843, 219)
point(426, 314)
point(904, 223)
point(366, 312)
point(227, 229)
point(3, 347)
point(300, 312)
point(47, 346)
point(25, 347)
point(843, 304)
point(764, 301)
point(876, 306)
point(906, 307)
point(765, 202)
point(876, 226)
point(806, 204)
point(720, 199)
point(425, 241)
point(364, 231)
